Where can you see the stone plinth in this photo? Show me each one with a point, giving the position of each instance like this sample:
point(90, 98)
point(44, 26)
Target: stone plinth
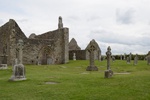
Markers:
point(108, 73)
point(92, 68)
point(18, 73)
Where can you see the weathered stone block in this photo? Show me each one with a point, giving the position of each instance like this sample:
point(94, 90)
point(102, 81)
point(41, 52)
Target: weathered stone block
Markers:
point(108, 73)
point(91, 68)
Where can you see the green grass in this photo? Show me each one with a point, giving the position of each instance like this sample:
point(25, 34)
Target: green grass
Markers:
point(75, 83)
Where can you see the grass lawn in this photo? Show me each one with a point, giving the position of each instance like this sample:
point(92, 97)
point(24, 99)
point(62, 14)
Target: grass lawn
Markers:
point(129, 82)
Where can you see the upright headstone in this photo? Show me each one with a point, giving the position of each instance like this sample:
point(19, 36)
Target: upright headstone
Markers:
point(91, 50)
point(121, 57)
point(136, 59)
point(19, 69)
point(148, 58)
point(124, 56)
point(108, 72)
point(130, 57)
point(128, 60)
point(74, 56)
point(113, 58)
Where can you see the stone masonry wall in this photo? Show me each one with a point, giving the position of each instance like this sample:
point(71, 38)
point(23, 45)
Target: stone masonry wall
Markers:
point(61, 38)
point(80, 54)
point(50, 47)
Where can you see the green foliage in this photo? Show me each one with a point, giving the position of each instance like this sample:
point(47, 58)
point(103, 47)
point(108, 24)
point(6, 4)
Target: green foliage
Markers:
point(129, 82)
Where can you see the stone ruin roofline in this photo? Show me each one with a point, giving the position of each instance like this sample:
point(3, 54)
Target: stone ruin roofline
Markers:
point(51, 31)
point(12, 20)
point(40, 41)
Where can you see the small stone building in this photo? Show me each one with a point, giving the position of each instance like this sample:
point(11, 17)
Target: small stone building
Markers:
point(73, 45)
point(47, 48)
point(83, 54)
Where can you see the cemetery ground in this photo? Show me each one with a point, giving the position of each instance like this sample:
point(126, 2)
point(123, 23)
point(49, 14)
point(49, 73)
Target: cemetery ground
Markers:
point(71, 81)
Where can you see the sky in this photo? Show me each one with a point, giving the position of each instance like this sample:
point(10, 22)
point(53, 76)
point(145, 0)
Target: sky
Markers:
point(124, 25)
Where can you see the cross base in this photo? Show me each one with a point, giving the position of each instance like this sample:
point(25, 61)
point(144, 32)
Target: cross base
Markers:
point(91, 68)
point(108, 73)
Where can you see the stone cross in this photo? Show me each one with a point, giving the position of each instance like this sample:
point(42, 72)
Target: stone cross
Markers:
point(148, 58)
point(20, 47)
point(18, 69)
point(135, 59)
point(108, 54)
point(74, 56)
point(108, 72)
point(91, 50)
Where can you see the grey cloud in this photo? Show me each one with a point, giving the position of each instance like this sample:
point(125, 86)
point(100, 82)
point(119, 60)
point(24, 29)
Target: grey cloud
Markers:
point(110, 37)
point(73, 18)
point(22, 20)
point(125, 17)
point(93, 18)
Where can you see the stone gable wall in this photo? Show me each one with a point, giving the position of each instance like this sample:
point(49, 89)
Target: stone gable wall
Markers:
point(52, 45)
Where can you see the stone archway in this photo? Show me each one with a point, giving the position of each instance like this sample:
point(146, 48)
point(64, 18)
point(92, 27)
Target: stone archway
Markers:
point(45, 56)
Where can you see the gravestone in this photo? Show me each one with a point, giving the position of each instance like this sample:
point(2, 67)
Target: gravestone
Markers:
point(91, 50)
point(113, 58)
point(3, 57)
point(74, 56)
point(148, 58)
point(19, 69)
point(108, 72)
point(121, 57)
point(128, 60)
point(124, 56)
point(136, 59)
point(130, 57)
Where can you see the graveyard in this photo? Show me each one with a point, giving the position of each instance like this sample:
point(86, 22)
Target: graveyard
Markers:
point(71, 81)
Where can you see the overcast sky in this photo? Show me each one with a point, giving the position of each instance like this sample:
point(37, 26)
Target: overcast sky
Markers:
point(124, 25)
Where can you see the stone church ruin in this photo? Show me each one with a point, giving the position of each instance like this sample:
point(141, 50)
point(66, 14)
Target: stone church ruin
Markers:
point(47, 48)
point(83, 54)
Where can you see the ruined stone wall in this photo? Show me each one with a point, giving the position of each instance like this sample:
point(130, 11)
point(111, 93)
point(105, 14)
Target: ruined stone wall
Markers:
point(61, 39)
point(48, 48)
point(9, 35)
point(80, 54)
point(32, 49)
